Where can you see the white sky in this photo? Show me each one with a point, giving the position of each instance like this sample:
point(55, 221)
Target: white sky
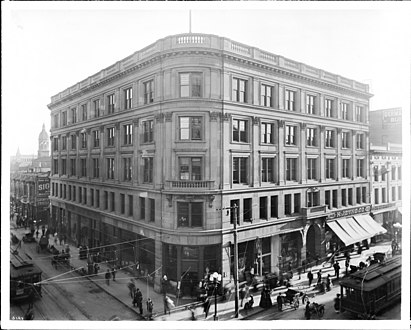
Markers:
point(48, 48)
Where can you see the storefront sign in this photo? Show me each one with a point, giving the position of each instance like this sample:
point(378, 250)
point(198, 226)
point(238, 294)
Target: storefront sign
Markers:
point(43, 202)
point(43, 187)
point(392, 117)
point(349, 212)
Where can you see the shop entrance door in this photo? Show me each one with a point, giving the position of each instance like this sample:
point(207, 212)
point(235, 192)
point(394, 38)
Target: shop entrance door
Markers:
point(313, 243)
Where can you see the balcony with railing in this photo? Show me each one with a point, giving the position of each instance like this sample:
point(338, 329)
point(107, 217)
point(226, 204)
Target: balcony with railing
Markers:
point(191, 185)
point(314, 210)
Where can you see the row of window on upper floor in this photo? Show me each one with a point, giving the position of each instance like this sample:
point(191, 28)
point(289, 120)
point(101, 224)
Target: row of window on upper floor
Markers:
point(191, 168)
point(191, 128)
point(192, 84)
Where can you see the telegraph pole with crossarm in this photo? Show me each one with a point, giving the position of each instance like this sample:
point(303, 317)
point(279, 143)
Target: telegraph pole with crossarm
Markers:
point(234, 209)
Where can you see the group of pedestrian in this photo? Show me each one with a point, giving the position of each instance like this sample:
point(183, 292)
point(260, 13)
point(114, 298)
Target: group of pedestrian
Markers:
point(110, 274)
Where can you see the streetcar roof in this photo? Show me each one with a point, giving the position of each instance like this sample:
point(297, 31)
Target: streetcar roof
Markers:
point(22, 265)
point(374, 276)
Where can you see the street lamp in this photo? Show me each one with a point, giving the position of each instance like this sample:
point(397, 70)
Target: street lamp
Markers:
point(217, 279)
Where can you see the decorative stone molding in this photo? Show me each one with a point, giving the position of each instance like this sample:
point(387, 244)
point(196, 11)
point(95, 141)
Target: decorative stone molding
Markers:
point(170, 200)
point(281, 123)
point(214, 116)
point(256, 120)
point(303, 126)
point(159, 118)
point(102, 129)
point(117, 125)
point(136, 122)
point(169, 116)
point(211, 200)
point(226, 117)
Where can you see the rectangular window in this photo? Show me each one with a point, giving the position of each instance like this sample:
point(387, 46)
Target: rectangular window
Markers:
point(130, 206)
point(311, 136)
point(313, 198)
point(287, 204)
point(360, 168)
point(148, 130)
point(110, 136)
point(128, 134)
point(122, 203)
point(128, 98)
point(360, 141)
point(96, 104)
point(358, 193)
point(69, 192)
point(274, 207)
point(105, 200)
point(291, 169)
point(64, 142)
point(84, 195)
point(64, 166)
point(345, 143)
point(96, 139)
point(56, 144)
point(240, 170)
point(267, 133)
point(189, 214)
point(142, 208)
point(346, 168)
point(344, 111)
point(267, 169)
point(55, 166)
point(110, 168)
point(91, 197)
point(73, 166)
point(83, 137)
point(240, 90)
point(73, 142)
point(329, 105)
point(330, 138)
point(83, 164)
point(190, 168)
point(310, 104)
point(127, 169)
point(399, 193)
point(240, 130)
point(80, 194)
point(290, 135)
point(399, 173)
point(74, 194)
point(73, 115)
point(297, 203)
point(267, 95)
point(190, 128)
point(393, 172)
point(248, 210)
point(364, 194)
point(56, 121)
point(344, 197)
point(97, 198)
point(290, 100)
point(312, 168)
point(328, 199)
point(148, 170)
point(190, 84)
point(335, 198)
point(329, 168)
point(112, 202)
point(152, 209)
point(376, 199)
point(359, 114)
point(110, 103)
point(148, 92)
point(64, 118)
point(350, 196)
point(263, 208)
point(84, 112)
point(96, 167)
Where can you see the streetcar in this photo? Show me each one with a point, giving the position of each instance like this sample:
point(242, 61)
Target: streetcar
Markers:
point(370, 290)
point(23, 278)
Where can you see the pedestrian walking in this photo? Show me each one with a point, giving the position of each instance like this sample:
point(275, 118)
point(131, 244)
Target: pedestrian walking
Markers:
point(337, 269)
point(206, 306)
point(168, 304)
point(319, 277)
point(242, 295)
point(347, 264)
point(138, 296)
point(107, 276)
point(150, 307)
point(96, 268)
point(337, 301)
point(37, 233)
point(132, 287)
point(280, 302)
point(113, 273)
point(310, 277)
point(328, 282)
point(307, 312)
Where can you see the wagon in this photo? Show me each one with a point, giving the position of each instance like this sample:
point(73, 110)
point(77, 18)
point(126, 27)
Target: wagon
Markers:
point(292, 298)
point(42, 245)
point(29, 238)
point(60, 259)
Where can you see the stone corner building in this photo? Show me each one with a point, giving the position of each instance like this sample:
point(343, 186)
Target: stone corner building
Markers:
point(148, 152)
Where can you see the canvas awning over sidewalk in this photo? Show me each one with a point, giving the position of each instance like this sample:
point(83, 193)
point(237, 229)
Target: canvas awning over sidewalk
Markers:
point(356, 229)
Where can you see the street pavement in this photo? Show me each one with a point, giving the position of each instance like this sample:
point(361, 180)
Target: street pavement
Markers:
point(225, 309)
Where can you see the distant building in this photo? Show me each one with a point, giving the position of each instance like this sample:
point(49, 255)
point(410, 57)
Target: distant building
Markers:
point(30, 183)
point(386, 126)
point(156, 156)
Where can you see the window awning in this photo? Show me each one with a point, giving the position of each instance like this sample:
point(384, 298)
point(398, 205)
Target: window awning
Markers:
point(357, 229)
point(368, 223)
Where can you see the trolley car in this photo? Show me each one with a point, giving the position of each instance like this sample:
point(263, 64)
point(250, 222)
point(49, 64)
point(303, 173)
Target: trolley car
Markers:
point(372, 289)
point(23, 278)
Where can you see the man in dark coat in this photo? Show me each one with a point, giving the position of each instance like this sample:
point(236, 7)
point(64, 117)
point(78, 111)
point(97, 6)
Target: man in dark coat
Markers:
point(319, 277)
point(107, 276)
point(113, 273)
point(337, 269)
point(150, 307)
point(139, 300)
point(310, 277)
point(280, 302)
point(206, 306)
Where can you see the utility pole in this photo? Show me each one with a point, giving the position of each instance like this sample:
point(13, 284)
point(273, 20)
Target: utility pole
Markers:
point(234, 209)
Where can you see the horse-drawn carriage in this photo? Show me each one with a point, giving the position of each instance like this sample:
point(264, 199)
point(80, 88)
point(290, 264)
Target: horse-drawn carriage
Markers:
point(62, 259)
point(292, 298)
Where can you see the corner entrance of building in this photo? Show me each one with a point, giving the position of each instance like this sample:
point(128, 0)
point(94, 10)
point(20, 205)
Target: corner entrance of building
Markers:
point(313, 243)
